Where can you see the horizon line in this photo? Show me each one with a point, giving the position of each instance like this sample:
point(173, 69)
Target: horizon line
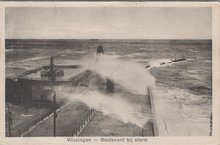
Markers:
point(104, 39)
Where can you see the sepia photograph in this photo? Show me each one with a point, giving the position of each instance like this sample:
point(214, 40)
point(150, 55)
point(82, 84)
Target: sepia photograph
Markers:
point(108, 71)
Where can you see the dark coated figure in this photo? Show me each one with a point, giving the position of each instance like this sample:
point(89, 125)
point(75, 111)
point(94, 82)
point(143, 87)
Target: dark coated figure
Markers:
point(100, 50)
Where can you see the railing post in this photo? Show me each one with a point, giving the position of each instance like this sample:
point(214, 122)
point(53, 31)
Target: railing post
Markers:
point(210, 132)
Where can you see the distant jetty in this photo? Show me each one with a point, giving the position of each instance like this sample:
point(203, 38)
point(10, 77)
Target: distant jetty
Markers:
point(178, 60)
point(172, 61)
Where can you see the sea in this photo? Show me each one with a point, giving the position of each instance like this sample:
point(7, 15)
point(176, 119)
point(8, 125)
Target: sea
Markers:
point(182, 90)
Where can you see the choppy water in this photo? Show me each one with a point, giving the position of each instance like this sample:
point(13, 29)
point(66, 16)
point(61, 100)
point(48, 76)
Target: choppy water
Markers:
point(183, 90)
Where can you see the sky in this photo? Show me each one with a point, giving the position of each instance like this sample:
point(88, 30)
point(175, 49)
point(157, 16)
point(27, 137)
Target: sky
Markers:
point(108, 23)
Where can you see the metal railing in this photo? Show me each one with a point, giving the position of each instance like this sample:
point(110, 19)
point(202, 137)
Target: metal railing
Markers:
point(23, 130)
point(86, 119)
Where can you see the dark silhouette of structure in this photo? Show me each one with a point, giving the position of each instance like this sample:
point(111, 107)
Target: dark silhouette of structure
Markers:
point(100, 50)
point(37, 84)
point(52, 73)
point(109, 85)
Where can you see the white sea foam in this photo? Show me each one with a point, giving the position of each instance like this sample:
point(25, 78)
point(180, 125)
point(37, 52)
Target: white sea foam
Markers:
point(130, 75)
point(127, 73)
point(114, 105)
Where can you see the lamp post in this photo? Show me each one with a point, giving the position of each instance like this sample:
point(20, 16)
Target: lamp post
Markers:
point(52, 76)
point(54, 115)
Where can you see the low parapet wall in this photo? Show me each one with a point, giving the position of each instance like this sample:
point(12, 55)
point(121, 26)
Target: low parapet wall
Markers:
point(154, 120)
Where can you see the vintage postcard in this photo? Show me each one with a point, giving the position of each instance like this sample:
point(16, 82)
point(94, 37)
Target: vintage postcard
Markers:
point(119, 73)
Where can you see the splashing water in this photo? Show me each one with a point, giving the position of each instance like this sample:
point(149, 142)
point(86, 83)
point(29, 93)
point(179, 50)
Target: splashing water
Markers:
point(114, 105)
point(130, 75)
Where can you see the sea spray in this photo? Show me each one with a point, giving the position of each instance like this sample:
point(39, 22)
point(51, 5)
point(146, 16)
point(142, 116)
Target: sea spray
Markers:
point(115, 106)
point(133, 77)
point(128, 74)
